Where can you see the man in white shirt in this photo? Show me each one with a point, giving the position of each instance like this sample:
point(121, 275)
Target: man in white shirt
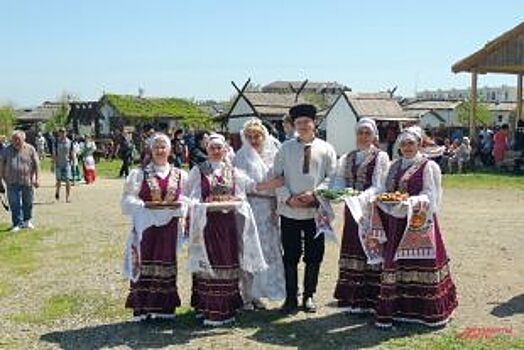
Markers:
point(307, 163)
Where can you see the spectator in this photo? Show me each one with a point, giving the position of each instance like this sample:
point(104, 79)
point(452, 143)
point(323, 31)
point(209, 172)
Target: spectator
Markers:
point(75, 155)
point(179, 148)
point(19, 168)
point(461, 155)
point(198, 154)
point(125, 153)
point(63, 156)
point(500, 146)
point(391, 137)
point(40, 142)
point(289, 128)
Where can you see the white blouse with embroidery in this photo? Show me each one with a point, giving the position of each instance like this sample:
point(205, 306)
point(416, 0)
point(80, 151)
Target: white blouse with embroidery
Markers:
point(243, 183)
point(431, 193)
point(143, 218)
point(379, 173)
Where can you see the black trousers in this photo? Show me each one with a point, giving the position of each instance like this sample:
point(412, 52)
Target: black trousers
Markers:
point(297, 238)
point(124, 169)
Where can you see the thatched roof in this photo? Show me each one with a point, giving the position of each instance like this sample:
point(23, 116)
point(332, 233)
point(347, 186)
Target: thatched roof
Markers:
point(41, 113)
point(502, 106)
point(433, 105)
point(379, 106)
point(269, 103)
point(316, 86)
point(505, 54)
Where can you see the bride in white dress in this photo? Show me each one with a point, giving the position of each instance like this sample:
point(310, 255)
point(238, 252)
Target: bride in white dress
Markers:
point(255, 158)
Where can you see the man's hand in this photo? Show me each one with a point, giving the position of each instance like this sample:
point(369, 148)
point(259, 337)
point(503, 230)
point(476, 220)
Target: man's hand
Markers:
point(293, 202)
point(307, 198)
point(36, 183)
point(299, 201)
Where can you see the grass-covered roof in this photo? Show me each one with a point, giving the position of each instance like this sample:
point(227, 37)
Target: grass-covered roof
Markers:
point(138, 107)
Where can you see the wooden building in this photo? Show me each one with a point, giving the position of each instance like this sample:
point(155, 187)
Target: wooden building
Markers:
point(341, 118)
point(503, 55)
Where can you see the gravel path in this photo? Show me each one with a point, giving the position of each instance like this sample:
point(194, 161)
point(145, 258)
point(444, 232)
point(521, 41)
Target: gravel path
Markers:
point(82, 257)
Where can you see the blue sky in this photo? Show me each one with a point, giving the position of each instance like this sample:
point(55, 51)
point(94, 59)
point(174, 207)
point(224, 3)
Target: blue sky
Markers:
point(195, 48)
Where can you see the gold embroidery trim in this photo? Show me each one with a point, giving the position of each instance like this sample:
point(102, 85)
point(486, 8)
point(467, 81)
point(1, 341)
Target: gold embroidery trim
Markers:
point(424, 277)
point(158, 271)
point(356, 264)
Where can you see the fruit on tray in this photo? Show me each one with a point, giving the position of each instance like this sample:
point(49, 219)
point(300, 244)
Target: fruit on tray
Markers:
point(396, 196)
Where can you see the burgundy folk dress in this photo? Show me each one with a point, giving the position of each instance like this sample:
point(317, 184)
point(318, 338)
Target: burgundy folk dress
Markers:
point(413, 290)
point(358, 282)
point(217, 298)
point(155, 291)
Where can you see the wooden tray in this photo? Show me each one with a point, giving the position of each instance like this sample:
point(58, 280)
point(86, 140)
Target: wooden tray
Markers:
point(389, 202)
point(222, 206)
point(162, 205)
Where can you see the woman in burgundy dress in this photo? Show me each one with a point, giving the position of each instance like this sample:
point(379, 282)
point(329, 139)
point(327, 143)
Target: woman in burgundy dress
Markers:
point(365, 170)
point(224, 242)
point(153, 199)
point(416, 284)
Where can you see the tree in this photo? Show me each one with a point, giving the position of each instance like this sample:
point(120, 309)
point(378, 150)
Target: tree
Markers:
point(483, 115)
point(59, 118)
point(7, 119)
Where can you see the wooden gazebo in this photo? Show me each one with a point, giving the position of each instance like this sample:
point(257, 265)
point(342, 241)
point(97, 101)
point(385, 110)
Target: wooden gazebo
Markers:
point(505, 55)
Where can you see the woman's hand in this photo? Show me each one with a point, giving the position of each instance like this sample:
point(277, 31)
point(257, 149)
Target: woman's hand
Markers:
point(270, 184)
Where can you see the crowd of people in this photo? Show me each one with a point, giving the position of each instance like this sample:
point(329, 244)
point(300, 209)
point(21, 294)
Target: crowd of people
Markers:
point(248, 219)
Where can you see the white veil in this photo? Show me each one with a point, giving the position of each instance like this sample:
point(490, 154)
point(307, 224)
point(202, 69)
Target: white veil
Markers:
point(256, 165)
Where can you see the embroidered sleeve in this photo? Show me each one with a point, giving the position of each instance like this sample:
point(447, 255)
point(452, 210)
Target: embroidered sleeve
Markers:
point(339, 179)
point(432, 187)
point(130, 201)
point(381, 172)
point(378, 180)
point(244, 184)
point(192, 187)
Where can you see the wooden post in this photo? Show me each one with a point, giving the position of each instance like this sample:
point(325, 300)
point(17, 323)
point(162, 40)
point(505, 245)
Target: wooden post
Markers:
point(519, 100)
point(473, 111)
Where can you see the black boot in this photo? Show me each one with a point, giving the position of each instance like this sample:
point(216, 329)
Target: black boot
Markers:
point(310, 287)
point(291, 303)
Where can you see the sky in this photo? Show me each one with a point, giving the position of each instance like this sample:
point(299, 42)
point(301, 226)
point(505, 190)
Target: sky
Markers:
point(195, 48)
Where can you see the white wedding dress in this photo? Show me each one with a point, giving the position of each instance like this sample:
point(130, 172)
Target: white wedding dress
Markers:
point(269, 283)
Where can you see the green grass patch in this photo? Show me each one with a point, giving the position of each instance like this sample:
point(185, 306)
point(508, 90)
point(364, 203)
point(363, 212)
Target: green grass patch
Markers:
point(18, 251)
point(483, 180)
point(5, 288)
point(453, 341)
point(64, 306)
point(54, 308)
point(106, 308)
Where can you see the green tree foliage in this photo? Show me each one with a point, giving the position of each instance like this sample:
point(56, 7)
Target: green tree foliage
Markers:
point(60, 117)
point(483, 115)
point(7, 119)
point(316, 99)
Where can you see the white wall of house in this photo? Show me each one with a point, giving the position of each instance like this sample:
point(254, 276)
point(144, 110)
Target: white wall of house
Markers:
point(449, 116)
point(500, 121)
point(234, 125)
point(340, 127)
point(241, 108)
point(429, 120)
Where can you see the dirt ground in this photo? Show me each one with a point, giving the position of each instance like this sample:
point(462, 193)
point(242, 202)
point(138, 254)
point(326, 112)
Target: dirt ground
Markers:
point(483, 230)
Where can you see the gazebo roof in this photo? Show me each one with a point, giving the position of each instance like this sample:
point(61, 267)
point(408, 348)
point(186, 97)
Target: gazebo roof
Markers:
point(505, 54)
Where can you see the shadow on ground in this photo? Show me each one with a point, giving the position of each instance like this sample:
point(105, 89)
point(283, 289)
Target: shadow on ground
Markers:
point(264, 327)
point(511, 307)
